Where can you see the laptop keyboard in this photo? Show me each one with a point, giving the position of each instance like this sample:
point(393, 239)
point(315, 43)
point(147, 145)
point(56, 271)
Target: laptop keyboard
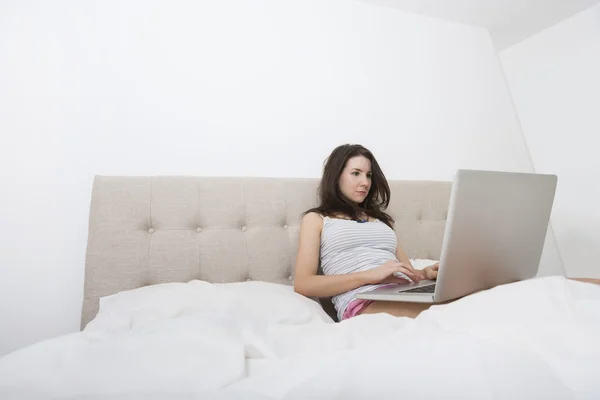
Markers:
point(422, 289)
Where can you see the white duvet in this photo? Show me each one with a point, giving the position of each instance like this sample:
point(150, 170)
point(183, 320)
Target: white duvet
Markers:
point(255, 340)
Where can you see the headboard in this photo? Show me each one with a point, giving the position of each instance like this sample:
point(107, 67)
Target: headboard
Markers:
point(149, 230)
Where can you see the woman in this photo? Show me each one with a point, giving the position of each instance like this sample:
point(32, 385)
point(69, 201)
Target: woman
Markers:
point(353, 238)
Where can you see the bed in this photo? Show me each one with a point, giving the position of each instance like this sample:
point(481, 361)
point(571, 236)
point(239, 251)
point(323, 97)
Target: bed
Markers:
point(188, 294)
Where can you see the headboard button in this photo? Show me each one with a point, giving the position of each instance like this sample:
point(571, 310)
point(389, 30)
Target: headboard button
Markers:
point(151, 230)
point(244, 228)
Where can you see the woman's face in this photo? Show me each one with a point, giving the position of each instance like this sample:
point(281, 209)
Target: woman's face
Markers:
point(355, 180)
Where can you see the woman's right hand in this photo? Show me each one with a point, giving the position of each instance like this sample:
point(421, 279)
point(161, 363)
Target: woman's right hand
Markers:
point(385, 273)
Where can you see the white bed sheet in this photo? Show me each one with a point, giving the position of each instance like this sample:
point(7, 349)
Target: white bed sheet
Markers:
point(533, 339)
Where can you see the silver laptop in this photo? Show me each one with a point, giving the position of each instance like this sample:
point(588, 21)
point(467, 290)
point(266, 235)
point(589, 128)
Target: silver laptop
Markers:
point(495, 233)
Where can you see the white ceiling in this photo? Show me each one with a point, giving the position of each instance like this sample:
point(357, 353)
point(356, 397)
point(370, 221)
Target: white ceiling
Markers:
point(509, 21)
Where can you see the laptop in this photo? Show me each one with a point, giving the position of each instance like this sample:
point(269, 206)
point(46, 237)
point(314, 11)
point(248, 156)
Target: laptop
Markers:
point(494, 235)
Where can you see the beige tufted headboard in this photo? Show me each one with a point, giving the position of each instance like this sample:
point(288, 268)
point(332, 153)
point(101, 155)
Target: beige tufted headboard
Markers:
point(148, 230)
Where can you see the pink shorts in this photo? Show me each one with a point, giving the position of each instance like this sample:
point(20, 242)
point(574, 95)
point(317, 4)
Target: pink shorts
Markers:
point(357, 306)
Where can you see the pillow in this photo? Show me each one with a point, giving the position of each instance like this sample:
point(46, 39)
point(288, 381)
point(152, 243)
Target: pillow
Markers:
point(257, 301)
point(278, 303)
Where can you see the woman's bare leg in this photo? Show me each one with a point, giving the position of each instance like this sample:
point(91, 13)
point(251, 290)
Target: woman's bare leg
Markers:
point(587, 280)
point(396, 308)
point(412, 310)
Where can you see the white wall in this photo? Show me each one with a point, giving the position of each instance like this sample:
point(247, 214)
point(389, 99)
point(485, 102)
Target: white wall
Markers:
point(260, 88)
point(554, 78)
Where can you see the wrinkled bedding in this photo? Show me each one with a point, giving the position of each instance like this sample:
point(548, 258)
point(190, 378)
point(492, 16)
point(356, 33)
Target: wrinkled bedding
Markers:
point(255, 340)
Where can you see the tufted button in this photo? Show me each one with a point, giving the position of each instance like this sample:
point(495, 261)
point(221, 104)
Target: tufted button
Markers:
point(285, 226)
point(151, 230)
point(290, 278)
point(244, 228)
point(248, 280)
point(198, 229)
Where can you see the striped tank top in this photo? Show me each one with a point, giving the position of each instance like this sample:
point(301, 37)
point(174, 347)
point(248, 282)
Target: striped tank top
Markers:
point(349, 246)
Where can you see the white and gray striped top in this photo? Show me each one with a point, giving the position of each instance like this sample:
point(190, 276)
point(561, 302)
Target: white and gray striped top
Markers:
point(349, 246)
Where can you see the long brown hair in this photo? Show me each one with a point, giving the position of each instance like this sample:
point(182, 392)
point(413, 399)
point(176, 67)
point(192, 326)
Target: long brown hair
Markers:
point(333, 203)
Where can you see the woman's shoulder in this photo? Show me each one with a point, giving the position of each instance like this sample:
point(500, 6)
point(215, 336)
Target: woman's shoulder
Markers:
point(313, 219)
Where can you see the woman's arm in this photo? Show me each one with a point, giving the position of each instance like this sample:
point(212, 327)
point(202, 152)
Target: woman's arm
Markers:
point(306, 280)
point(402, 256)
point(429, 272)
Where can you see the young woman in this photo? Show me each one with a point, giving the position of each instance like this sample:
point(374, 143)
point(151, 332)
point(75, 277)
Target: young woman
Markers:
point(353, 238)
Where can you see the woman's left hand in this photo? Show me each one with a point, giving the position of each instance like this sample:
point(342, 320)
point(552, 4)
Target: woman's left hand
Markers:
point(431, 272)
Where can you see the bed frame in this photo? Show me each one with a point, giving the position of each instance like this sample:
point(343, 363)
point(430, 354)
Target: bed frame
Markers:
point(150, 230)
